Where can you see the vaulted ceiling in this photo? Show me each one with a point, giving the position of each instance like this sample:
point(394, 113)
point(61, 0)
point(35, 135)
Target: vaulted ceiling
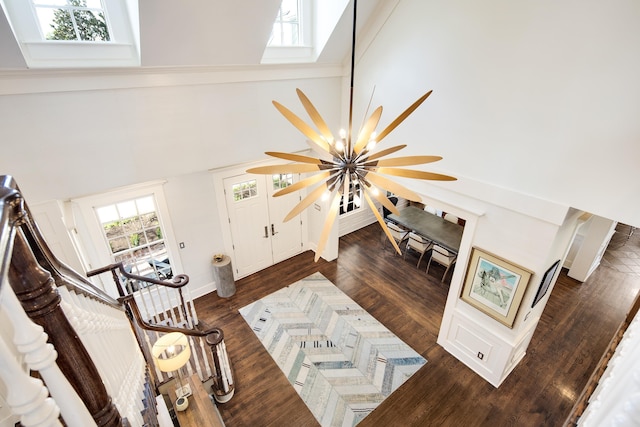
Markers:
point(212, 33)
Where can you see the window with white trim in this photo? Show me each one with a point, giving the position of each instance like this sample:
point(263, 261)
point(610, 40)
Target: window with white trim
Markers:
point(131, 225)
point(245, 190)
point(292, 34)
point(282, 180)
point(79, 20)
point(353, 201)
point(287, 26)
point(134, 234)
point(75, 33)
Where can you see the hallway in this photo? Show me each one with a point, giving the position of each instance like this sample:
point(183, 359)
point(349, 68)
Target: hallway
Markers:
point(623, 252)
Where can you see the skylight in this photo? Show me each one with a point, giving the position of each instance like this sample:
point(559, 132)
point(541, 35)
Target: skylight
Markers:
point(76, 33)
point(79, 20)
point(302, 29)
point(291, 38)
point(286, 28)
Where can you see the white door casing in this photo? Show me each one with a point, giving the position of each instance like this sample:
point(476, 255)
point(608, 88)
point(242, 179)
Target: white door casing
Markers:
point(249, 223)
point(259, 235)
point(93, 237)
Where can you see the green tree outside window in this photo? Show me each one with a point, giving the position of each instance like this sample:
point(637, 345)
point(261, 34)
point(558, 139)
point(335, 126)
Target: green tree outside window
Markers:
point(90, 25)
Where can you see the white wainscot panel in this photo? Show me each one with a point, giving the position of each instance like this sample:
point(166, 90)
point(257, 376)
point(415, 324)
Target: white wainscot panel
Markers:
point(487, 354)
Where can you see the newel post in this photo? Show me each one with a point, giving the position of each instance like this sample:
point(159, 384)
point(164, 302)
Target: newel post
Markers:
point(223, 386)
point(39, 297)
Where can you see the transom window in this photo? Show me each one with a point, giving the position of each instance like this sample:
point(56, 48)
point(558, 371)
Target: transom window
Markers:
point(245, 190)
point(287, 25)
point(135, 236)
point(79, 20)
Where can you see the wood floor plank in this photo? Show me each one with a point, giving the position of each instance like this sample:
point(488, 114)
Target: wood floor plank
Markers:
point(574, 331)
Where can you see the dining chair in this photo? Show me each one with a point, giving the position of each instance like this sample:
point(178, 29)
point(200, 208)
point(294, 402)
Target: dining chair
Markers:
point(451, 218)
point(399, 234)
point(431, 210)
point(419, 244)
point(385, 211)
point(442, 257)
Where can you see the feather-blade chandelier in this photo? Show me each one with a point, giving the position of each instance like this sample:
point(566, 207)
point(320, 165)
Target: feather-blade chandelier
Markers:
point(344, 165)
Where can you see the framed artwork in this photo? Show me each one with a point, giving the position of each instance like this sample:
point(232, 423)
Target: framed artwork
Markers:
point(495, 286)
point(546, 281)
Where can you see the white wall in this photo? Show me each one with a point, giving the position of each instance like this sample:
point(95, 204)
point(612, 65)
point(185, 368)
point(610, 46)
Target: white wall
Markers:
point(518, 117)
point(89, 141)
point(538, 97)
point(196, 223)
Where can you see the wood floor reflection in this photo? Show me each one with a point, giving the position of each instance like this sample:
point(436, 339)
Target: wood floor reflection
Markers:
point(575, 328)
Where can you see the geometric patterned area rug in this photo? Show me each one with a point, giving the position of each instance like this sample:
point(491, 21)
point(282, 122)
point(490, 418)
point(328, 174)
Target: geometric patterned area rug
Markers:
point(342, 362)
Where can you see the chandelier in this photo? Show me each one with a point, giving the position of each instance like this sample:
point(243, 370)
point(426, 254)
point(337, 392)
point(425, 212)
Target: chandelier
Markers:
point(346, 165)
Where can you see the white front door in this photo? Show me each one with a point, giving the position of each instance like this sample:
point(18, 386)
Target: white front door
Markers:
point(248, 212)
point(259, 236)
point(286, 237)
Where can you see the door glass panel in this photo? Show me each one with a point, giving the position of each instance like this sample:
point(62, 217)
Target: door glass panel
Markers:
point(281, 181)
point(245, 190)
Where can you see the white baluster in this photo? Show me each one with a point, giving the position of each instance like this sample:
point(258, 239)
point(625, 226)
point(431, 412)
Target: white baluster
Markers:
point(206, 352)
point(26, 396)
point(616, 400)
point(167, 307)
point(31, 340)
point(141, 300)
point(156, 312)
point(107, 334)
point(191, 310)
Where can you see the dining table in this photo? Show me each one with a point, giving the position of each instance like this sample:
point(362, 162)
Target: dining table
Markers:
point(440, 231)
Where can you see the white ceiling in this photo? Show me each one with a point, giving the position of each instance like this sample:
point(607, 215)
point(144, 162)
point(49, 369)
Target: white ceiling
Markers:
point(197, 33)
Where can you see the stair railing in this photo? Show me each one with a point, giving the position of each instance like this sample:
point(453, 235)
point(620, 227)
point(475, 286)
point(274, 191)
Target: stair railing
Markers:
point(60, 326)
point(612, 394)
point(168, 306)
point(209, 358)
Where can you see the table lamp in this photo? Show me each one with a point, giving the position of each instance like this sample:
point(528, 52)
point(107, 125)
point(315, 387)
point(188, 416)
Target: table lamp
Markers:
point(170, 353)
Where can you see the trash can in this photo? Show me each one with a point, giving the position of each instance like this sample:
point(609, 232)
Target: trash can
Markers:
point(223, 275)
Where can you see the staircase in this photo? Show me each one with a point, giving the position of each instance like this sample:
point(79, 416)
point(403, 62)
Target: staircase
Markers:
point(159, 307)
point(68, 351)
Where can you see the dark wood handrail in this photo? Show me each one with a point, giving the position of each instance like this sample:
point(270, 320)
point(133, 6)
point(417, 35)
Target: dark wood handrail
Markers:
point(130, 300)
point(176, 282)
point(10, 215)
point(35, 288)
point(33, 272)
point(61, 273)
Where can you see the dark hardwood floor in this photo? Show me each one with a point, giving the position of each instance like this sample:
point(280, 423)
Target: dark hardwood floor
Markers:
point(574, 331)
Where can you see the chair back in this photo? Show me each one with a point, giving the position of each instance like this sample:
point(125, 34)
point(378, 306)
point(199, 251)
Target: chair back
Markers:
point(451, 218)
point(385, 211)
point(441, 255)
point(397, 232)
point(418, 242)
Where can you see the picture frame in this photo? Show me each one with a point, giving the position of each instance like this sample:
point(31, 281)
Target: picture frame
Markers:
point(545, 283)
point(495, 286)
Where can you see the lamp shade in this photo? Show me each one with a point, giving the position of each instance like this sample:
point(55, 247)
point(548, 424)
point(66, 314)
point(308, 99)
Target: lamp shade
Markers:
point(171, 352)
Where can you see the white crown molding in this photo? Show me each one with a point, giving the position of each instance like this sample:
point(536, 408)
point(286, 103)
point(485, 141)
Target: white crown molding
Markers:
point(67, 80)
